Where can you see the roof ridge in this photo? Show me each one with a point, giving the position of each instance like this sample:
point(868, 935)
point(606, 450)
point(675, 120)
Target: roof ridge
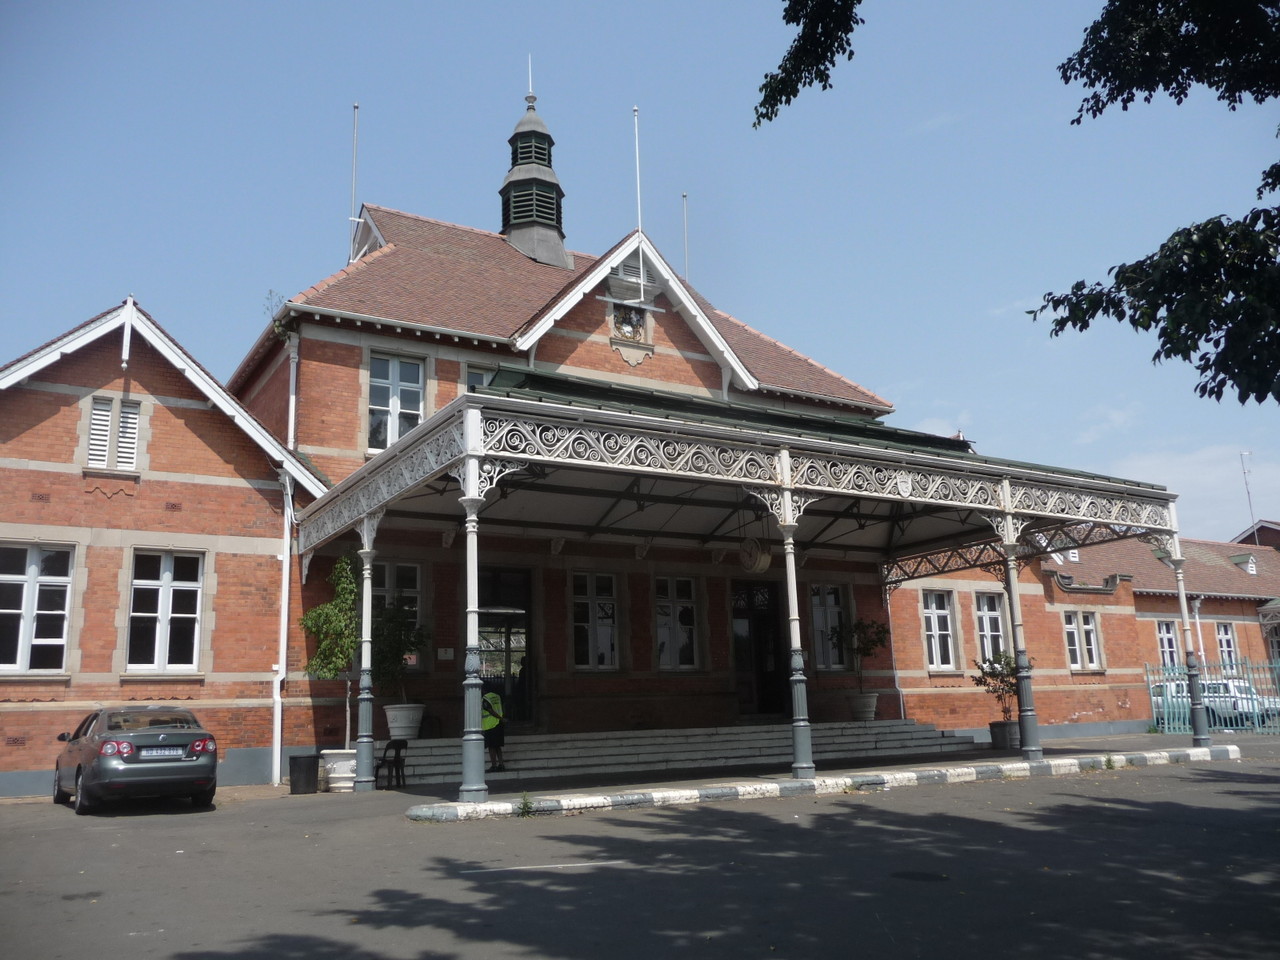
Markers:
point(349, 270)
point(62, 336)
point(456, 226)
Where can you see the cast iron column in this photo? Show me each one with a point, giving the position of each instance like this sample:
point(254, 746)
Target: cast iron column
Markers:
point(801, 735)
point(1199, 718)
point(474, 789)
point(1028, 725)
point(364, 714)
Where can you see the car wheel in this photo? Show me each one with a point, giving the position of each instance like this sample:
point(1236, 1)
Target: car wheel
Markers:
point(59, 795)
point(1213, 719)
point(203, 798)
point(83, 803)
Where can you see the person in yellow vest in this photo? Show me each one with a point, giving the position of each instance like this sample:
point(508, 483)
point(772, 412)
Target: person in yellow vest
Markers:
point(493, 728)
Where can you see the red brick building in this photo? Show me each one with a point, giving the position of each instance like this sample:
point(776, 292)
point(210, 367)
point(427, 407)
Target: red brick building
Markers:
point(1095, 619)
point(625, 506)
point(143, 541)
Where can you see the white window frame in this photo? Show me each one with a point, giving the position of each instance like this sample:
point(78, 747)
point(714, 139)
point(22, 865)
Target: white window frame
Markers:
point(992, 637)
point(1167, 640)
point(399, 392)
point(476, 375)
point(36, 607)
point(114, 433)
point(1084, 642)
point(595, 620)
point(168, 614)
point(827, 622)
point(675, 611)
point(937, 610)
point(1228, 653)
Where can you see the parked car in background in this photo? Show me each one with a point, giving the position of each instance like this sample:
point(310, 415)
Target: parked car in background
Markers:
point(136, 751)
point(1227, 703)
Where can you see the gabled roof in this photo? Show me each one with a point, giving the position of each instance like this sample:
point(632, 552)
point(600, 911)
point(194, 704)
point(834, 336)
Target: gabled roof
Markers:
point(1209, 569)
point(1264, 533)
point(132, 320)
point(647, 254)
point(458, 280)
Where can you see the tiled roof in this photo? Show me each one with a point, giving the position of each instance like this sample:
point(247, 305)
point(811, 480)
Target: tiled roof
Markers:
point(1208, 571)
point(443, 276)
point(464, 280)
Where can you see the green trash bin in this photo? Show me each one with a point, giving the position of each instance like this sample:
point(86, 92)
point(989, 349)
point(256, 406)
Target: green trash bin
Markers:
point(304, 772)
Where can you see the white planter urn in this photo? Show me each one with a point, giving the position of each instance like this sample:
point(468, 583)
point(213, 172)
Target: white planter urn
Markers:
point(864, 705)
point(339, 770)
point(404, 719)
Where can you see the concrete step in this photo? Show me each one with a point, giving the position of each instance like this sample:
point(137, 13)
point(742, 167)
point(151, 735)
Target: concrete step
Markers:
point(658, 752)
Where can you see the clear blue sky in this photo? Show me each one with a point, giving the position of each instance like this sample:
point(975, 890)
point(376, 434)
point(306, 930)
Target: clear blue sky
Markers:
point(896, 227)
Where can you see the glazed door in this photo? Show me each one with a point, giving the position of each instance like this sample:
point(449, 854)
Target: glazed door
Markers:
point(759, 652)
point(507, 656)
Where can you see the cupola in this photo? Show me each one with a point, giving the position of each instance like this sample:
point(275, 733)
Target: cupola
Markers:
point(532, 201)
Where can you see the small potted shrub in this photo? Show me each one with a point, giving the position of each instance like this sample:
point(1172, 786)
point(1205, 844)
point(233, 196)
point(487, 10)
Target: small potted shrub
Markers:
point(396, 634)
point(998, 675)
point(861, 639)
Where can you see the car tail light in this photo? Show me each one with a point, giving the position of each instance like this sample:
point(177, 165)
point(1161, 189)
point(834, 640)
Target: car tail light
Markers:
point(109, 748)
point(207, 745)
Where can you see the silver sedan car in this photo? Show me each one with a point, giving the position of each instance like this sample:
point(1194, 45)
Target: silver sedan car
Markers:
point(136, 751)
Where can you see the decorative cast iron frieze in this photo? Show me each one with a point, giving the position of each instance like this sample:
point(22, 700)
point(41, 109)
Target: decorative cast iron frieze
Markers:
point(1052, 501)
point(1042, 541)
point(490, 472)
point(870, 478)
point(664, 453)
point(386, 481)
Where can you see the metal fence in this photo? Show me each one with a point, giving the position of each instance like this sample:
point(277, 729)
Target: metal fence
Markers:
point(1238, 695)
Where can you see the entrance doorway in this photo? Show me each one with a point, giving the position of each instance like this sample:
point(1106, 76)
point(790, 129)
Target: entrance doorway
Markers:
point(506, 652)
point(760, 655)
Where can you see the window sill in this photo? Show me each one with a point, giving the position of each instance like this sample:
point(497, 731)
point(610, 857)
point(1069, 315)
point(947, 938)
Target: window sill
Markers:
point(945, 672)
point(63, 678)
point(1088, 671)
point(162, 677)
point(110, 474)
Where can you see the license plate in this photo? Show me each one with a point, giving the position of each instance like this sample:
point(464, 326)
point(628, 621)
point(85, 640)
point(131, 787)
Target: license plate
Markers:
point(162, 751)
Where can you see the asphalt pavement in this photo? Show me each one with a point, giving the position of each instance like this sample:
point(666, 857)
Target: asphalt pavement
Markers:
point(1175, 860)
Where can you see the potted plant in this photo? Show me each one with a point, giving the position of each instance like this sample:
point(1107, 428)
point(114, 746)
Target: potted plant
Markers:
point(998, 675)
point(396, 634)
point(861, 638)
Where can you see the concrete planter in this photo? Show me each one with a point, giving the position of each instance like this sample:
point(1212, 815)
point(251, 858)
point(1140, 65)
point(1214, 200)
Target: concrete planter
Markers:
point(339, 770)
point(864, 705)
point(1005, 735)
point(404, 719)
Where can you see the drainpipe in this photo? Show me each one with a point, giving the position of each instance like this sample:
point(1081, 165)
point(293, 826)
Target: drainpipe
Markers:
point(282, 653)
point(293, 391)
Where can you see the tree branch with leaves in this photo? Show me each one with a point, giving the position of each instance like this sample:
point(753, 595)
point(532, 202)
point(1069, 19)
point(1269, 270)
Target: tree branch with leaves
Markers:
point(1211, 292)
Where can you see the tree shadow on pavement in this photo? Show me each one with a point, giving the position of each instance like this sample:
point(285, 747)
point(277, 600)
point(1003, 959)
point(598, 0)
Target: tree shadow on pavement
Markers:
point(1082, 875)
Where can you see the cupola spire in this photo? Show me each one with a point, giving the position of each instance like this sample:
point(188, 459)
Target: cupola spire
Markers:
point(532, 201)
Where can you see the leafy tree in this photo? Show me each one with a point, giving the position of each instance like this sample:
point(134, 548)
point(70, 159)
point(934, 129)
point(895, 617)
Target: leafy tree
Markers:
point(1211, 292)
point(336, 626)
point(824, 36)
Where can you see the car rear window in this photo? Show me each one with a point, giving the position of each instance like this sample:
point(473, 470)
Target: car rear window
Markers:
point(137, 720)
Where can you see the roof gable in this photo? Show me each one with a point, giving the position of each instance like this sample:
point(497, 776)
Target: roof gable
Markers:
point(131, 320)
point(638, 245)
point(454, 280)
